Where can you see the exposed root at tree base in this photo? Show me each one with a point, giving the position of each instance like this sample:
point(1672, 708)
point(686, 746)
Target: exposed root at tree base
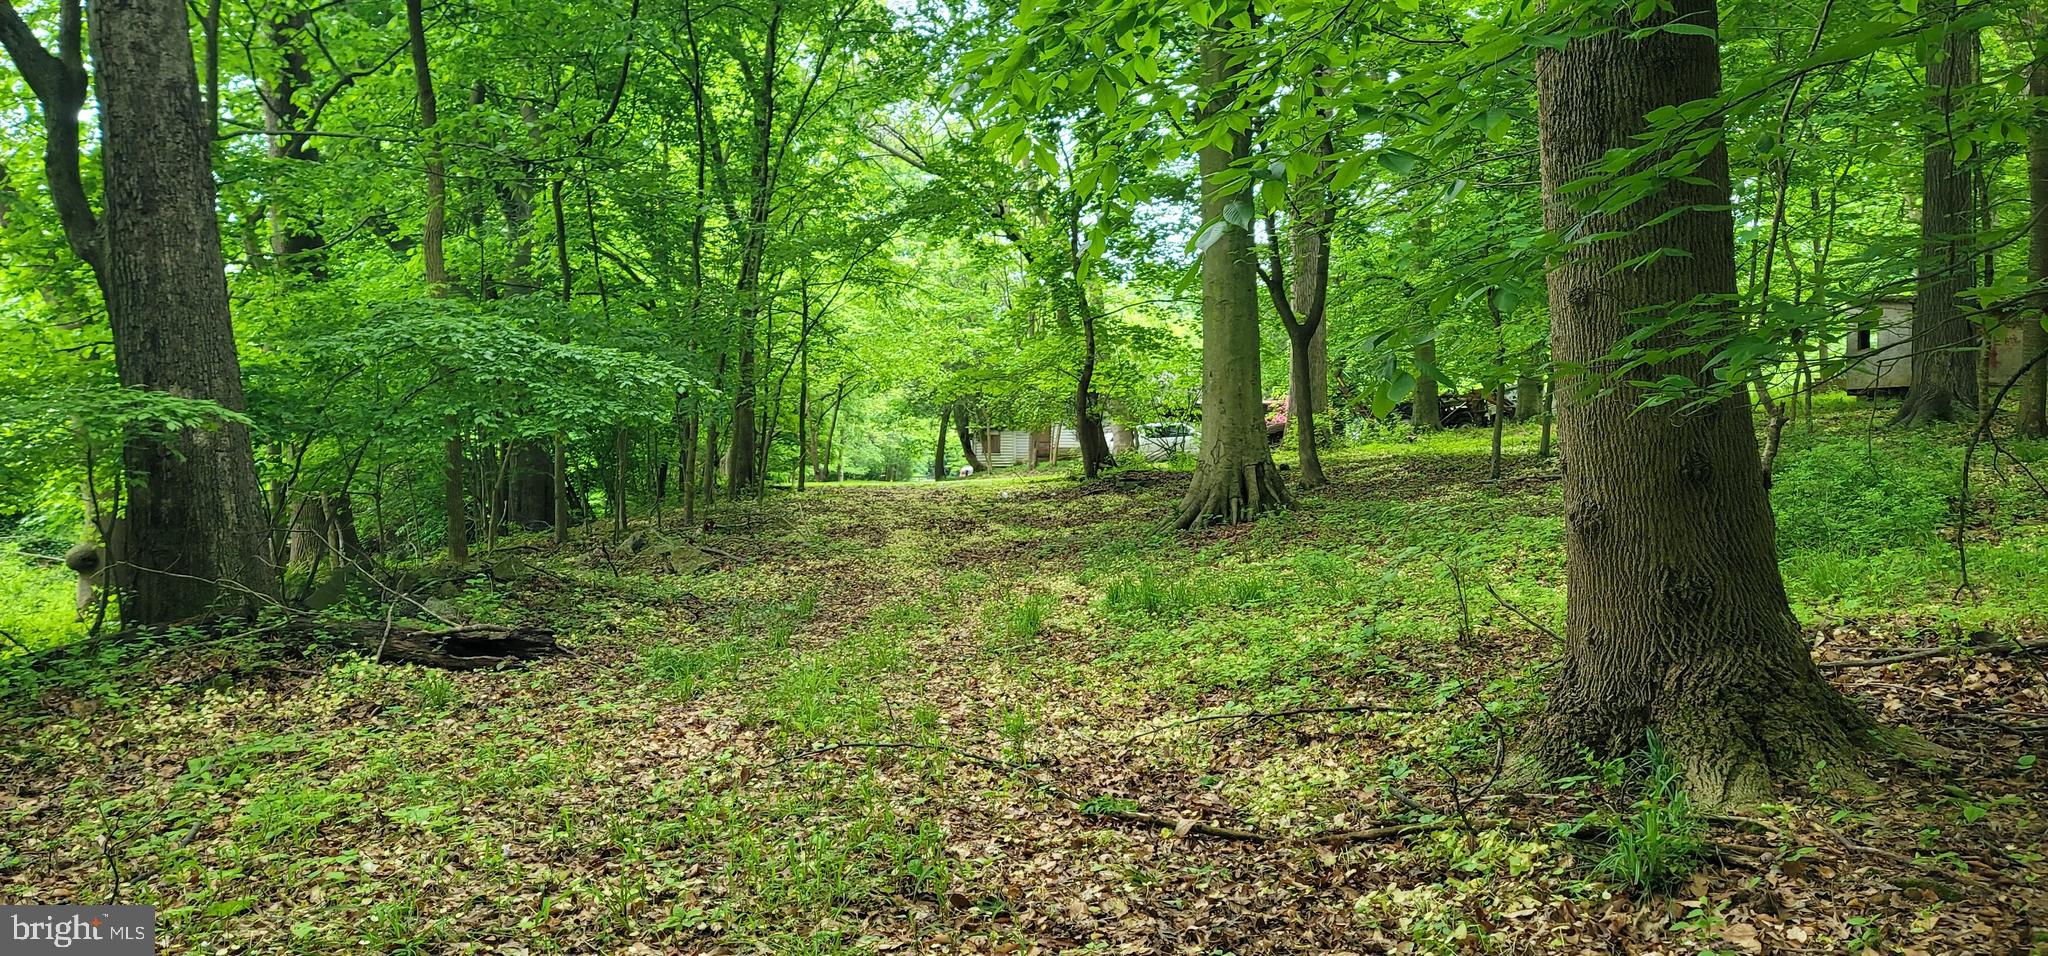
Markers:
point(1232, 494)
point(1735, 745)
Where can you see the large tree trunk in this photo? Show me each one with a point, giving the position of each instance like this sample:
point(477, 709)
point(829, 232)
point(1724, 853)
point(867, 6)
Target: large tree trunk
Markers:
point(1677, 623)
point(197, 534)
point(1235, 479)
point(939, 457)
point(2033, 399)
point(1944, 366)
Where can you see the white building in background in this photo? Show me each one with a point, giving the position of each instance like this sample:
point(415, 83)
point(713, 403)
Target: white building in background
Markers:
point(1007, 447)
point(1880, 355)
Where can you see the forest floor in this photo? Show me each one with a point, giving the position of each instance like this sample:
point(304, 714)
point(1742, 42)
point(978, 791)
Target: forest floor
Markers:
point(1009, 715)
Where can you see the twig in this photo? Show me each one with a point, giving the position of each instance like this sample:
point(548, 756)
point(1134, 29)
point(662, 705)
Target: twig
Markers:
point(1970, 452)
point(17, 642)
point(1524, 615)
point(1900, 858)
point(969, 756)
point(1181, 826)
point(1276, 715)
point(1927, 653)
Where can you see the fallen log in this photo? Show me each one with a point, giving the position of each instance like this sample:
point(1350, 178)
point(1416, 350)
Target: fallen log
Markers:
point(466, 647)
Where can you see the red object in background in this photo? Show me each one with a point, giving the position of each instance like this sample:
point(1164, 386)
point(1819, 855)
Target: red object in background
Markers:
point(1276, 419)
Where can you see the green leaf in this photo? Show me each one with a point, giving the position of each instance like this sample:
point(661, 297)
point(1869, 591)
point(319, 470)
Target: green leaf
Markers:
point(1401, 387)
point(1399, 160)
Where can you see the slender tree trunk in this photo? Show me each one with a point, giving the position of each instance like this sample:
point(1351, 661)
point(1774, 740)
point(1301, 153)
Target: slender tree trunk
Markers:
point(1235, 480)
point(436, 264)
point(1497, 391)
point(939, 458)
point(1500, 422)
point(1304, 319)
point(1429, 404)
point(621, 453)
point(1944, 382)
point(966, 437)
point(1095, 453)
point(710, 463)
point(804, 455)
point(1319, 368)
point(832, 435)
point(1677, 622)
point(559, 482)
point(1528, 396)
point(197, 532)
point(1301, 406)
point(500, 483)
point(454, 502)
point(2033, 397)
point(686, 472)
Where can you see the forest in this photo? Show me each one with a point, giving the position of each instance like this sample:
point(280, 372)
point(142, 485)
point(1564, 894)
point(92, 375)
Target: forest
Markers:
point(1208, 477)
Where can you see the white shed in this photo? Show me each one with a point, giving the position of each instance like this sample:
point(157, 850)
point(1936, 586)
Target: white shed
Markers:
point(1880, 354)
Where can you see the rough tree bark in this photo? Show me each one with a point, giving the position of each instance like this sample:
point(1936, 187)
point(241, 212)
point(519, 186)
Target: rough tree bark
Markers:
point(1235, 480)
point(2033, 397)
point(198, 533)
point(939, 457)
point(1677, 622)
point(1944, 365)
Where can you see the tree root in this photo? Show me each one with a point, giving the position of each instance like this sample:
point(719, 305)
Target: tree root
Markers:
point(1223, 494)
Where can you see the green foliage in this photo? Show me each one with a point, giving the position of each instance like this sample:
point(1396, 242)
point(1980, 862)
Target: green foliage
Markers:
point(1657, 841)
point(1841, 495)
point(37, 609)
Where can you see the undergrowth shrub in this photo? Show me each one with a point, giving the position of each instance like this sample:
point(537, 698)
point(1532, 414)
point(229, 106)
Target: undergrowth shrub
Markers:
point(1657, 841)
point(1838, 495)
point(1148, 594)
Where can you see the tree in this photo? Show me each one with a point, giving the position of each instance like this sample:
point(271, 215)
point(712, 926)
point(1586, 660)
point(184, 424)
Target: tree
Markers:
point(1944, 364)
point(436, 264)
point(1301, 306)
point(2033, 398)
point(965, 433)
point(196, 536)
point(1235, 480)
point(1677, 622)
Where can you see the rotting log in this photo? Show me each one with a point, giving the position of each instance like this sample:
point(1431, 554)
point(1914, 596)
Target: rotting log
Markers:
point(464, 648)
